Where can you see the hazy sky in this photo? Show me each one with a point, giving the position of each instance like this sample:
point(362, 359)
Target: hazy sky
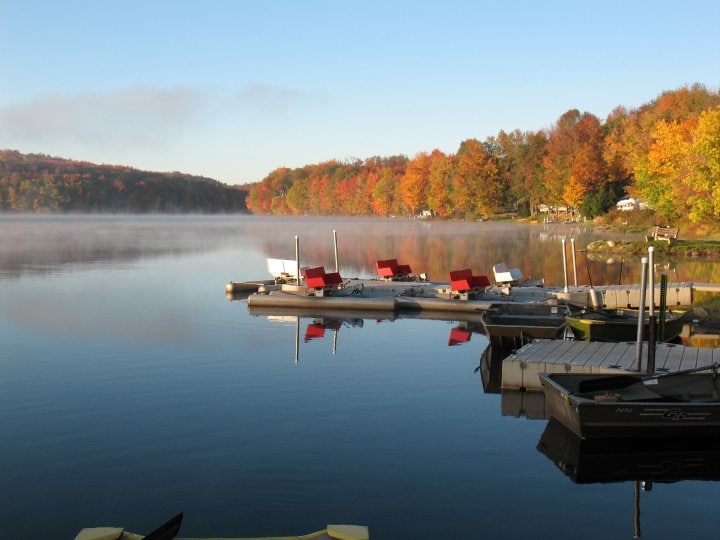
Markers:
point(234, 89)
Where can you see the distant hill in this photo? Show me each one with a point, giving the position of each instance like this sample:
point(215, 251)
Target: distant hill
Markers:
point(41, 183)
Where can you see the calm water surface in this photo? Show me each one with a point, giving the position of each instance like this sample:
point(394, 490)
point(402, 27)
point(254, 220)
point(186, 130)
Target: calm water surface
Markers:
point(131, 388)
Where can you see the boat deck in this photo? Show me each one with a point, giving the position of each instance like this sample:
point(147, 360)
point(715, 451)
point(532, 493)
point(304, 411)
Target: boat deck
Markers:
point(520, 370)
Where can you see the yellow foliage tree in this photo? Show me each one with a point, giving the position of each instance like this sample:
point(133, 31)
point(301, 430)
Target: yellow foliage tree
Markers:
point(704, 168)
point(574, 192)
point(661, 180)
point(440, 184)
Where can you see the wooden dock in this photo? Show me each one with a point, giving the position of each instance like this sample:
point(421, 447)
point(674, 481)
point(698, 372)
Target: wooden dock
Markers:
point(520, 370)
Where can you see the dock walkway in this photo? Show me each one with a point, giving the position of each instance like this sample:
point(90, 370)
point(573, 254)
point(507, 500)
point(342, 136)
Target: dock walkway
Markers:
point(438, 296)
point(520, 370)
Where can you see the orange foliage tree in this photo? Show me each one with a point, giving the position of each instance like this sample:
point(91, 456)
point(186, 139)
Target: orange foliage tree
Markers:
point(574, 164)
point(413, 185)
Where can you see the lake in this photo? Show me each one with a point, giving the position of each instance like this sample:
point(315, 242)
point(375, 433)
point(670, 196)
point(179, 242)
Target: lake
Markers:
point(132, 388)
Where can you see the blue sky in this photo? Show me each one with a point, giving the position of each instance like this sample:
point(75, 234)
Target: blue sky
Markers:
point(234, 89)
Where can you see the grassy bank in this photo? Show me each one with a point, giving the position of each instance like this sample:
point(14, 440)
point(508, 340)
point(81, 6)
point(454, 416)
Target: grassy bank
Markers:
point(642, 220)
point(695, 248)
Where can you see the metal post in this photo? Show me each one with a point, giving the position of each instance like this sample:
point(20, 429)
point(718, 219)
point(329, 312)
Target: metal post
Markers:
point(572, 247)
point(663, 307)
point(337, 264)
point(297, 259)
point(652, 322)
point(641, 314)
point(564, 259)
point(651, 339)
point(651, 279)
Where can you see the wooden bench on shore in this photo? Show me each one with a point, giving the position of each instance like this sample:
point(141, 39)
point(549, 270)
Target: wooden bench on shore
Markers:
point(666, 234)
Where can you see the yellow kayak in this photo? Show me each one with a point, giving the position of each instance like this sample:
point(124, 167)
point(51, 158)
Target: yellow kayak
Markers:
point(169, 531)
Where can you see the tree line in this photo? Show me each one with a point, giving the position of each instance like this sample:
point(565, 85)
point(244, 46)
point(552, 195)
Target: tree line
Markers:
point(665, 153)
point(41, 183)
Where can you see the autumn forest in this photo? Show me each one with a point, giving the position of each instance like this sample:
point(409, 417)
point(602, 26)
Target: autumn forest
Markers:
point(40, 183)
point(665, 153)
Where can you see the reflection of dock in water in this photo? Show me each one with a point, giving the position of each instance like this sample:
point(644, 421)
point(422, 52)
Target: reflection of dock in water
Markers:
point(622, 459)
point(514, 402)
point(491, 361)
point(324, 320)
point(639, 462)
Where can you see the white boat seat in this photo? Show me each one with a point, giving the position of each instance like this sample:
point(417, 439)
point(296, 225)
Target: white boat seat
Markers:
point(285, 269)
point(503, 274)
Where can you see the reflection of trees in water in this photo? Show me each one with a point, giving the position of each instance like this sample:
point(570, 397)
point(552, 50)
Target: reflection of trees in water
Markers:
point(432, 247)
point(437, 247)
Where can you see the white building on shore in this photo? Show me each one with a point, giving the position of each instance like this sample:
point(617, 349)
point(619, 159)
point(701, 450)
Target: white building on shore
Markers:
point(627, 204)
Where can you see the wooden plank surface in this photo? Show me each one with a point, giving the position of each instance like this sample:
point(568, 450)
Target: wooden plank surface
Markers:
point(521, 369)
point(675, 358)
point(620, 356)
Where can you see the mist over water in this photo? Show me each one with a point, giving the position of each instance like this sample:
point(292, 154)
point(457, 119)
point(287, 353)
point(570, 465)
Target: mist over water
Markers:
point(53, 243)
point(132, 389)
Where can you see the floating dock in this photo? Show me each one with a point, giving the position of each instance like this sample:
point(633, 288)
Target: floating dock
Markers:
point(358, 294)
point(628, 296)
point(235, 287)
point(375, 294)
point(520, 370)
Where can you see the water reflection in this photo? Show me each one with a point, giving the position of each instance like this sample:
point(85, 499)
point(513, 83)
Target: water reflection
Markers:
point(316, 329)
point(620, 459)
point(638, 461)
point(491, 362)
point(459, 335)
point(206, 411)
point(41, 244)
point(38, 244)
point(313, 324)
point(515, 403)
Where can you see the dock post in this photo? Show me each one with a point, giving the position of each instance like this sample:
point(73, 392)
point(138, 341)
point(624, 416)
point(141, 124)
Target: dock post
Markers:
point(337, 265)
point(652, 344)
point(565, 272)
point(652, 320)
point(641, 314)
point(651, 280)
point(572, 248)
point(297, 259)
point(663, 307)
